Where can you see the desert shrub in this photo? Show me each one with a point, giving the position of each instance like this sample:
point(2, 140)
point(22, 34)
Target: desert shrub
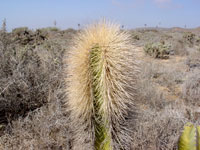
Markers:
point(136, 37)
point(27, 74)
point(20, 30)
point(157, 83)
point(166, 37)
point(198, 49)
point(50, 29)
point(179, 47)
point(40, 36)
point(4, 39)
point(148, 30)
point(160, 120)
point(42, 129)
point(24, 36)
point(168, 77)
point(193, 61)
point(198, 40)
point(157, 50)
point(189, 37)
point(70, 30)
point(148, 94)
point(159, 130)
point(191, 89)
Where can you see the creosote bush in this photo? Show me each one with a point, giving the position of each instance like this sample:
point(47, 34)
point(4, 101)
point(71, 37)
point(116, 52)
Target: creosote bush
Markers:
point(101, 77)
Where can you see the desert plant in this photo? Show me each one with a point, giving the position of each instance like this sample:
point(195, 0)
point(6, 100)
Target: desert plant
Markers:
point(189, 139)
point(22, 35)
point(198, 40)
point(4, 36)
point(193, 61)
point(45, 128)
point(191, 88)
point(20, 30)
point(189, 37)
point(198, 49)
point(136, 37)
point(3, 28)
point(159, 130)
point(51, 29)
point(26, 74)
point(101, 72)
point(157, 50)
point(179, 47)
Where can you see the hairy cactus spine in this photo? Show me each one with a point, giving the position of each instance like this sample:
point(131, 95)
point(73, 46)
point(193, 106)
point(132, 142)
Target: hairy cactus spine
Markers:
point(101, 76)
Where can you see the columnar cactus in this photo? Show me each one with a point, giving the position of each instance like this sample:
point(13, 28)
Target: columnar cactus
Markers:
point(101, 77)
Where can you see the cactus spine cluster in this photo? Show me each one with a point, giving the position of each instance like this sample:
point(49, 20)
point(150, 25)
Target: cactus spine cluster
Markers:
point(101, 77)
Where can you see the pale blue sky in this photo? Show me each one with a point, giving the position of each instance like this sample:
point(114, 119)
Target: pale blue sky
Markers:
point(130, 13)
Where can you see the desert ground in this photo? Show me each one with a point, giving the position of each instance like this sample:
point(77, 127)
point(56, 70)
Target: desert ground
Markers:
point(32, 88)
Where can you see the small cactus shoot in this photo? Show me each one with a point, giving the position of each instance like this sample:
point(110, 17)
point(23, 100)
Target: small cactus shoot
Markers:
point(189, 140)
point(101, 71)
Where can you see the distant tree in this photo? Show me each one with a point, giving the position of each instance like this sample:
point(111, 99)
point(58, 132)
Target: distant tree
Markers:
point(145, 25)
point(185, 26)
point(122, 27)
point(159, 24)
point(55, 23)
point(3, 28)
point(4, 36)
point(79, 25)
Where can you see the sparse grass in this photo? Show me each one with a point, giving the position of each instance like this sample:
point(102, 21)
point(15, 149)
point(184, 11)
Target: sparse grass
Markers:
point(193, 61)
point(159, 129)
point(191, 88)
point(179, 47)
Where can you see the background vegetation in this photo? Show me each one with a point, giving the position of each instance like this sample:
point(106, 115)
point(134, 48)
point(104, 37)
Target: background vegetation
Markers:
point(32, 88)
